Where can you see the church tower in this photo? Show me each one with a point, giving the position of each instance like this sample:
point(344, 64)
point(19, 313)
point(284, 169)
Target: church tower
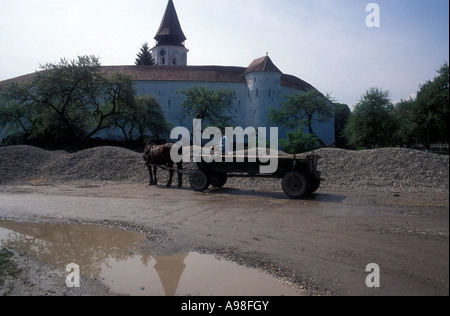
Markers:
point(264, 86)
point(169, 49)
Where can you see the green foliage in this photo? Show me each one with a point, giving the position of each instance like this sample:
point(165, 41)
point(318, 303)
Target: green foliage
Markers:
point(145, 57)
point(213, 107)
point(342, 113)
point(421, 121)
point(430, 111)
point(299, 141)
point(144, 118)
point(371, 125)
point(375, 122)
point(308, 107)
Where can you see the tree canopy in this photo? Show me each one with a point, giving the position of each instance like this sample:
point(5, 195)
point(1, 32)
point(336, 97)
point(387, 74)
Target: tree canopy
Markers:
point(370, 124)
point(68, 103)
point(145, 117)
point(430, 111)
point(376, 122)
point(303, 109)
point(342, 113)
point(214, 107)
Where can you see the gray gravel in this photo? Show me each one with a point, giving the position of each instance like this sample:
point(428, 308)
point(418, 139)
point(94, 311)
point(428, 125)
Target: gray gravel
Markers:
point(385, 170)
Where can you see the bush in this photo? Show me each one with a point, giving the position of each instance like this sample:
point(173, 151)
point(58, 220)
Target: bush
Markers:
point(299, 141)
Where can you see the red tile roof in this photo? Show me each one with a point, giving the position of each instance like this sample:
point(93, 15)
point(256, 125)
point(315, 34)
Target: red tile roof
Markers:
point(181, 73)
point(184, 73)
point(263, 64)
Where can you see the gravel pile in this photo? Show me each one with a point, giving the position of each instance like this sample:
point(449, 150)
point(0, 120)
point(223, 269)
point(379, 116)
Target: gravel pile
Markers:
point(388, 169)
point(19, 164)
point(385, 169)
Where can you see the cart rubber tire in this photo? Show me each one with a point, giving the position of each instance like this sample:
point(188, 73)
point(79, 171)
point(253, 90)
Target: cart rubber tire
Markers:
point(315, 182)
point(199, 180)
point(295, 185)
point(218, 180)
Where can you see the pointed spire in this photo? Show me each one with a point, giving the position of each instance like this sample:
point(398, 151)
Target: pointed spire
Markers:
point(170, 32)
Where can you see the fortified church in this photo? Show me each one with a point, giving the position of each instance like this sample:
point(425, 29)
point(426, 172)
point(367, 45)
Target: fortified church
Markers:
point(258, 88)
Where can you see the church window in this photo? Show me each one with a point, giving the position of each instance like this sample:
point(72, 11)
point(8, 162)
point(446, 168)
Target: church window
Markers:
point(174, 61)
point(163, 61)
point(257, 92)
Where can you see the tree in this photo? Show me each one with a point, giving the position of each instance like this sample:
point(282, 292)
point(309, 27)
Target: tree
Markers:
point(145, 56)
point(17, 118)
point(431, 109)
point(214, 107)
point(303, 108)
point(406, 132)
point(342, 112)
point(370, 124)
point(145, 118)
point(66, 103)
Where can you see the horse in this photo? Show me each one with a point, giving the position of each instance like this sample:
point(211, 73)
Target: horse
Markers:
point(159, 155)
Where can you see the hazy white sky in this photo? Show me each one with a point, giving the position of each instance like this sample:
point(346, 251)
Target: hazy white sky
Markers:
point(324, 42)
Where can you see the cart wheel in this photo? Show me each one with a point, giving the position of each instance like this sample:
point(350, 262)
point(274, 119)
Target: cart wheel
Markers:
point(219, 180)
point(295, 184)
point(199, 180)
point(314, 182)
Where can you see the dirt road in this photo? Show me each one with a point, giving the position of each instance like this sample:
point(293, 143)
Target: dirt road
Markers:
point(323, 243)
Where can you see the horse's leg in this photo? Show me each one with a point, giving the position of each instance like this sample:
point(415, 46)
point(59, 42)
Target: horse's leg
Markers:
point(150, 174)
point(180, 175)
point(154, 171)
point(169, 183)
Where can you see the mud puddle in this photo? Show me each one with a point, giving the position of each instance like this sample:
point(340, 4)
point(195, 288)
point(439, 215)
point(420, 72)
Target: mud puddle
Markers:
point(111, 255)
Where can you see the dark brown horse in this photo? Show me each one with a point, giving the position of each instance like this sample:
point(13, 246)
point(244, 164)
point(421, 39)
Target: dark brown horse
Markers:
point(159, 155)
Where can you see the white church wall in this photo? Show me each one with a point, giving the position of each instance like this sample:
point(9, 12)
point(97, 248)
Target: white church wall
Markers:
point(250, 108)
point(263, 95)
point(170, 99)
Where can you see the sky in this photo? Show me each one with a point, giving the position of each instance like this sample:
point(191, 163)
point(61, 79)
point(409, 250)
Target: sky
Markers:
point(324, 42)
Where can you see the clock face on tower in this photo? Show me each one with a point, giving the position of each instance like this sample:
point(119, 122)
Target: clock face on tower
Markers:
point(162, 52)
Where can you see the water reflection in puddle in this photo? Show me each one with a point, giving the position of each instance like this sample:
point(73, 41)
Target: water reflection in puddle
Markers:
point(109, 254)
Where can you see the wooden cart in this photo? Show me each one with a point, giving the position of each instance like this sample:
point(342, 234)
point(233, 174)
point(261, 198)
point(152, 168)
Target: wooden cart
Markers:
point(299, 173)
